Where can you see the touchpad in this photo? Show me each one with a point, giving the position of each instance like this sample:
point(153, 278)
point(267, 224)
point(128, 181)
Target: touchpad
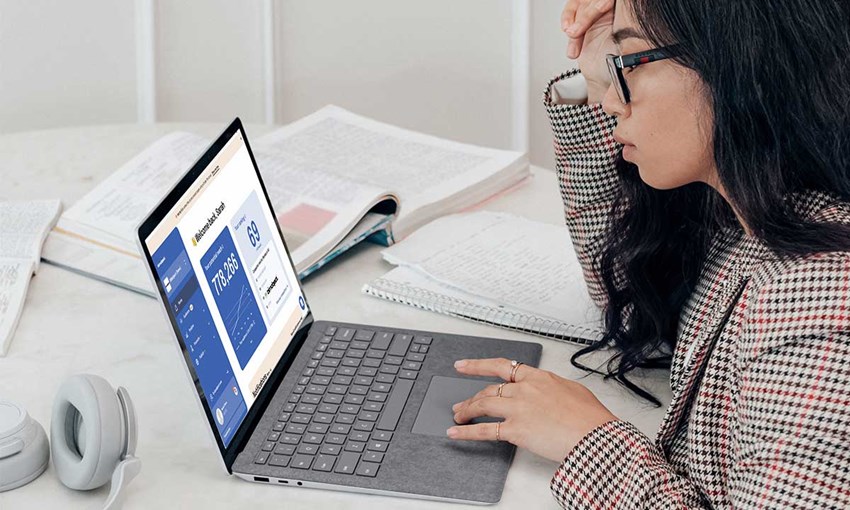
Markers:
point(435, 414)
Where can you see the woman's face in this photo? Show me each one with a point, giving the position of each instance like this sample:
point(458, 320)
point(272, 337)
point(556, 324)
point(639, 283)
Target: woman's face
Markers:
point(668, 121)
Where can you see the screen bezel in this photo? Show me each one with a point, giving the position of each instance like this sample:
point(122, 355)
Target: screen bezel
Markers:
point(154, 218)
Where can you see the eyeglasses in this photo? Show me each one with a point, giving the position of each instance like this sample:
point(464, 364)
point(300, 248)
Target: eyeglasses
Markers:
point(616, 64)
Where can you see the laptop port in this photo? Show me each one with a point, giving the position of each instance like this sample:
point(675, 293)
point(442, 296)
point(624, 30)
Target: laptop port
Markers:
point(261, 479)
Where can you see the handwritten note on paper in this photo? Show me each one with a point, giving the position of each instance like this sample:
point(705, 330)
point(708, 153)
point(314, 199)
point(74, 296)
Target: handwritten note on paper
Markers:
point(504, 258)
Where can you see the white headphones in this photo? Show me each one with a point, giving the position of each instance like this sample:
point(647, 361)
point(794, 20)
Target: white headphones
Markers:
point(93, 435)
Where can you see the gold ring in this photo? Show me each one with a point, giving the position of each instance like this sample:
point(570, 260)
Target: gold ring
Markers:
point(498, 431)
point(500, 389)
point(514, 366)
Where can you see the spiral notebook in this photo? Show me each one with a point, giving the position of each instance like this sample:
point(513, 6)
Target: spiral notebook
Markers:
point(494, 268)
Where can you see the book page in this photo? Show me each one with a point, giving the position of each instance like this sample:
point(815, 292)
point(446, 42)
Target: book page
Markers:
point(527, 265)
point(15, 275)
point(117, 205)
point(25, 225)
point(422, 169)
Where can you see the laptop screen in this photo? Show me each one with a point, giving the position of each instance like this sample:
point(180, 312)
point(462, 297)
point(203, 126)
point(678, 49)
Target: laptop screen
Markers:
point(227, 280)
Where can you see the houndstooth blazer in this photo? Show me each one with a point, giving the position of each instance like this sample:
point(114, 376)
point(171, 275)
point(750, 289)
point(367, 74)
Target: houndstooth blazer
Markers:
point(768, 425)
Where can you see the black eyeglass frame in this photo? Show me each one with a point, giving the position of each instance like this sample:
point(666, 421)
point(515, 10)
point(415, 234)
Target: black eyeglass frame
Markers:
point(616, 64)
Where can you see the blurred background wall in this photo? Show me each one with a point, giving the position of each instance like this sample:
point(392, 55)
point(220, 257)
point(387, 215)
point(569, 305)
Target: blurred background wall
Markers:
point(471, 70)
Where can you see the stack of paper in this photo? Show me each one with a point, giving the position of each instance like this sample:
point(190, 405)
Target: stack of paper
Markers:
point(495, 268)
point(23, 227)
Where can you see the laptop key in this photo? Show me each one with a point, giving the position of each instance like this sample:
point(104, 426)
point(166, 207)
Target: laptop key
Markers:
point(325, 371)
point(331, 330)
point(366, 381)
point(322, 347)
point(377, 397)
point(374, 353)
point(314, 438)
point(364, 334)
point(267, 446)
point(293, 399)
point(288, 408)
point(395, 405)
point(290, 438)
point(415, 357)
point(328, 408)
point(367, 371)
point(382, 435)
point(369, 469)
point(308, 449)
point(318, 428)
point(354, 399)
point(330, 449)
point(359, 436)
point(301, 462)
point(389, 369)
point(344, 334)
point(262, 457)
point(393, 360)
point(408, 374)
point(323, 418)
point(309, 372)
point(278, 427)
point(342, 379)
point(335, 439)
point(378, 446)
point(311, 399)
point(313, 363)
point(371, 362)
point(335, 353)
point(279, 460)
point(360, 346)
point(284, 417)
point(400, 344)
point(340, 428)
point(338, 389)
point(423, 340)
point(284, 449)
point(326, 340)
point(296, 428)
point(320, 380)
point(324, 463)
point(349, 409)
point(385, 378)
point(373, 457)
point(358, 390)
point(348, 371)
point(355, 446)
point(347, 463)
point(381, 387)
point(331, 398)
point(411, 365)
point(300, 418)
point(274, 436)
point(382, 340)
point(304, 380)
point(355, 354)
point(373, 406)
point(368, 416)
point(347, 419)
point(330, 362)
point(366, 426)
point(423, 349)
point(351, 362)
point(336, 344)
point(299, 389)
point(306, 409)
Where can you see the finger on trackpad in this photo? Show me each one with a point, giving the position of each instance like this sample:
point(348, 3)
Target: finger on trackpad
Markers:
point(435, 413)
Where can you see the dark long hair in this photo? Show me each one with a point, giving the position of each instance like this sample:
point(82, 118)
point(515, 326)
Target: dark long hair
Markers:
point(777, 78)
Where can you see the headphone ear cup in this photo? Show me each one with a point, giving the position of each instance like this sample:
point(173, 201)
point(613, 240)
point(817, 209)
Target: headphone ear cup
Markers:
point(86, 432)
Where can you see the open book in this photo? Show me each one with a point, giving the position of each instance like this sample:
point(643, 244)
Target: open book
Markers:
point(23, 228)
point(334, 179)
point(495, 268)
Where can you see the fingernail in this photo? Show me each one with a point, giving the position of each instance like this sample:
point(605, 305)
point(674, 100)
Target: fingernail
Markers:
point(456, 406)
point(573, 28)
point(451, 432)
point(460, 363)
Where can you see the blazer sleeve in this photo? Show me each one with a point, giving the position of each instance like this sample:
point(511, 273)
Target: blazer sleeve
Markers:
point(789, 421)
point(585, 152)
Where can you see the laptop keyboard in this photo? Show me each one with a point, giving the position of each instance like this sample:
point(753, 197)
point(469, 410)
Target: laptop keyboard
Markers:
point(344, 410)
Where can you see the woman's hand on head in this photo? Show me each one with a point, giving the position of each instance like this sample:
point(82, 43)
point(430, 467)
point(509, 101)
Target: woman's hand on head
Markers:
point(589, 24)
point(542, 412)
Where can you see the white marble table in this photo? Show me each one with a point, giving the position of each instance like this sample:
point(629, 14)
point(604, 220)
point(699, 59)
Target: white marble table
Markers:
point(71, 324)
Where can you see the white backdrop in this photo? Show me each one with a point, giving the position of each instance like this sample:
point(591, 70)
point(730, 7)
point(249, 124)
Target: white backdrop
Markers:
point(471, 70)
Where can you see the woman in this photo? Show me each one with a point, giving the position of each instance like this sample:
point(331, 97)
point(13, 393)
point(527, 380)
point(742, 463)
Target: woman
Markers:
point(708, 197)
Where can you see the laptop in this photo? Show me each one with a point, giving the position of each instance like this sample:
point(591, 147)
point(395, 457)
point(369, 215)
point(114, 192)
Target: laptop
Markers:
point(295, 401)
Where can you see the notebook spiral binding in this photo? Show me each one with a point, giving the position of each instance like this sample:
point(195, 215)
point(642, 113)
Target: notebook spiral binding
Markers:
point(503, 318)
